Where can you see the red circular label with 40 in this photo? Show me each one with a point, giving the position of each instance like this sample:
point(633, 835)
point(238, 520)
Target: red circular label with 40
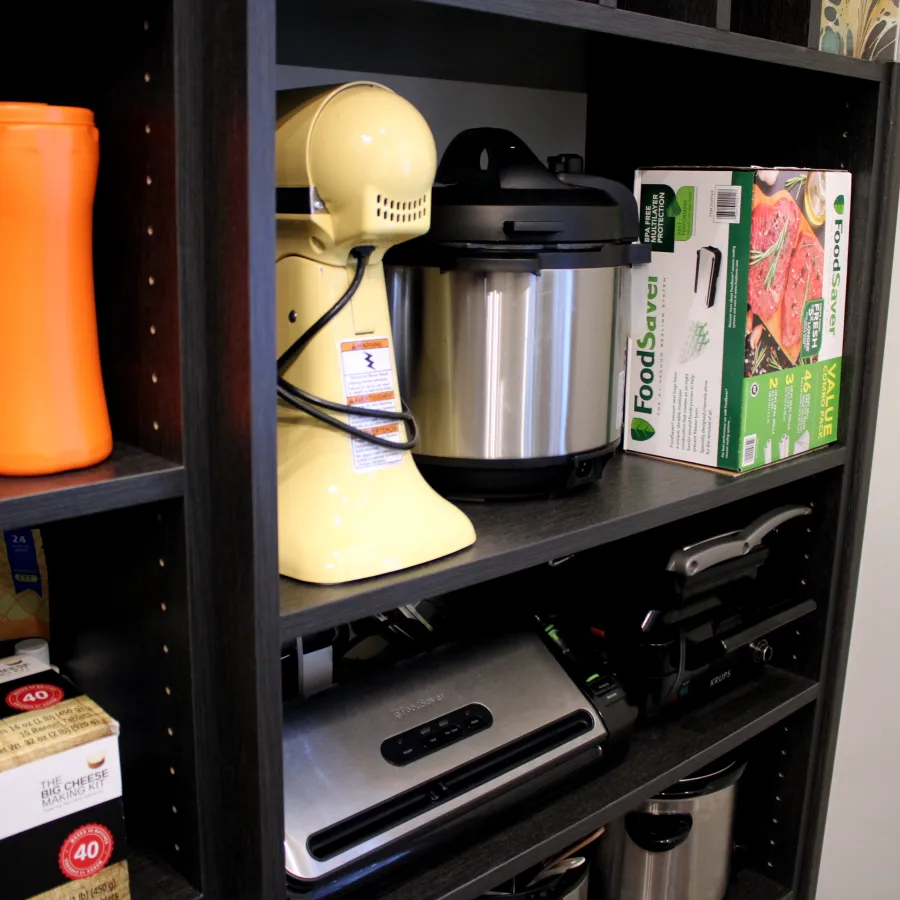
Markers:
point(86, 851)
point(32, 697)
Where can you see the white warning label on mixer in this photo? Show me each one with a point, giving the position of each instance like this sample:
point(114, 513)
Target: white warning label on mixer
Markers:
point(369, 384)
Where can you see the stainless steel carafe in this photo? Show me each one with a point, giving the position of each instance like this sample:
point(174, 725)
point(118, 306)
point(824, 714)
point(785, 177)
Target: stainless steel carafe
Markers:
point(677, 845)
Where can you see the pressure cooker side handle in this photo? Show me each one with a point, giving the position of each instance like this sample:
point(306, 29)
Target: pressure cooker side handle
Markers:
point(530, 265)
point(616, 191)
point(658, 833)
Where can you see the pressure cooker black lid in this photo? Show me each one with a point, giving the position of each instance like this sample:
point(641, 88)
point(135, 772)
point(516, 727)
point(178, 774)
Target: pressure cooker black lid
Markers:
point(494, 197)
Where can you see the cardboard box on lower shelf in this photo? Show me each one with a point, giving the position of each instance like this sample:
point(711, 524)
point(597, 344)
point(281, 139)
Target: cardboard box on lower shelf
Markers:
point(62, 828)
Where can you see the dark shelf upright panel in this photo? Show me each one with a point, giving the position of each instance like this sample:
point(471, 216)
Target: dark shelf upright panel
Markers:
point(225, 120)
point(860, 417)
point(115, 545)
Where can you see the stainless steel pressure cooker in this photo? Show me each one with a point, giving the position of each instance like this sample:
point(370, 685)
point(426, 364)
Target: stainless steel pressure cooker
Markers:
point(509, 343)
point(677, 845)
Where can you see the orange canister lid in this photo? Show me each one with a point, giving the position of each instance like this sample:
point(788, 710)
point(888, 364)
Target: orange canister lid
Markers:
point(44, 114)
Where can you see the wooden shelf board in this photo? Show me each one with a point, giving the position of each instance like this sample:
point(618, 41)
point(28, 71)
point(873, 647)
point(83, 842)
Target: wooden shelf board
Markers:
point(152, 879)
point(129, 477)
point(750, 885)
point(599, 17)
point(561, 816)
point(635, 494)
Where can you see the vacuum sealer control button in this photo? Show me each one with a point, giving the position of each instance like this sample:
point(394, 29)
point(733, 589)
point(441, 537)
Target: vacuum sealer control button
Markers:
point(431, 736)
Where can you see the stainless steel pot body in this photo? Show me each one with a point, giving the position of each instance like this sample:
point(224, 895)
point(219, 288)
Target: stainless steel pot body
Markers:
point(695, 868)
point(509, 365)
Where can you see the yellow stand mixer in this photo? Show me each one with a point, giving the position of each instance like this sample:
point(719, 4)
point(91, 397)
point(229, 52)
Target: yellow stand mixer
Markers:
point(354, 167)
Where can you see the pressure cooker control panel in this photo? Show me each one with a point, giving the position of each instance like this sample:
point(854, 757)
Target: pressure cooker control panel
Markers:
point(432, 736)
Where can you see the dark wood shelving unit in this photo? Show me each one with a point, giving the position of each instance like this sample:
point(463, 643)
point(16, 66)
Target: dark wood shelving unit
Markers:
point(635, 494)
point(181, 635)
point(658, 757)
point(128, 478)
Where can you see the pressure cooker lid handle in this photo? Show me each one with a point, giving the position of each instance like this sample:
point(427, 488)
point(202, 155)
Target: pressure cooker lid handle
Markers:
point(508, 161)
point(658, 833)
point(616, 191)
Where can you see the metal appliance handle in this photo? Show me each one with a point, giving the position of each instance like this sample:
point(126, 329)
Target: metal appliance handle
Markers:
point(699, 557)
point(530, 265)
point(658, 833)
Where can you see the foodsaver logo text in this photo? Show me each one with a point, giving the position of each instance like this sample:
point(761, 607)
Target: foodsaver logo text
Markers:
point(836, 272)
point(641, 429)
point(402, 711)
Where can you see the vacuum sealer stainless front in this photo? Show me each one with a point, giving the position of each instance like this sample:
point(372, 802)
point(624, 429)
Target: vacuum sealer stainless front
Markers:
point(370, 763)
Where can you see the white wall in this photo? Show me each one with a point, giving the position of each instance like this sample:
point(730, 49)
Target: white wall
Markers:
point(550, 122)
point(861, 855)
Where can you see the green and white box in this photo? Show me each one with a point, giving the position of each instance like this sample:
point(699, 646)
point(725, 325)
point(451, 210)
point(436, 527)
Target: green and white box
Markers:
point(737, 322)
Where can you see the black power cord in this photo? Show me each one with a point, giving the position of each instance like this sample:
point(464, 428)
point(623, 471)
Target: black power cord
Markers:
point(315, 406)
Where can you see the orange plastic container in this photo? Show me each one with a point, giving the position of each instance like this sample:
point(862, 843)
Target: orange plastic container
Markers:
point(53, 413)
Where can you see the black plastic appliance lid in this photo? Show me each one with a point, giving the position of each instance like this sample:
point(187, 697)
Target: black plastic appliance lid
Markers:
point(492, 189)
point(715, 777)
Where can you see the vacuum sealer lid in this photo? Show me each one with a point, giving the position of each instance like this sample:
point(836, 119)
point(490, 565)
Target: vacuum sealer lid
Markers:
point(351, 789)
point(494, 196)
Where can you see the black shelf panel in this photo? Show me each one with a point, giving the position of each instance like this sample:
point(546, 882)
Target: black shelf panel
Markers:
point(750, 885)
point(635, 494)
point(152, 879)
point(601, 17)
point(128, 478)
point(658, 757)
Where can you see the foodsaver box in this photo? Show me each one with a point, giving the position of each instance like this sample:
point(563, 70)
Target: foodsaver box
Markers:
point(737, 322)
point(62, 829)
